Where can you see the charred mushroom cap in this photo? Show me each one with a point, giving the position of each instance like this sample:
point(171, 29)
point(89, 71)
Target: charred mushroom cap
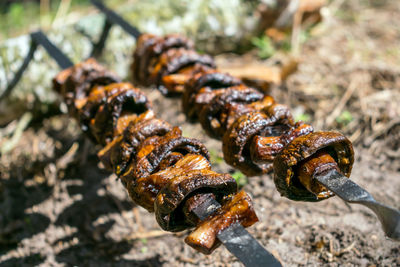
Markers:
point(237, 140)
point(88, 107)
point(168, 214)
point(303, 147)
point(210, 115)
point(145, 189)
point(175, 59)
point(82, 78)
point(144, 41)
point(117, 155)
point(136, 134)
point(126, 99)
point(174, 83)
point(147, 163)
point(211, 79)
point(152, 52)
point(264, 148)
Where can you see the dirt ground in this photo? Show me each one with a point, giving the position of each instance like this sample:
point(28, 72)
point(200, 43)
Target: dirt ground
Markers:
point(59, 208)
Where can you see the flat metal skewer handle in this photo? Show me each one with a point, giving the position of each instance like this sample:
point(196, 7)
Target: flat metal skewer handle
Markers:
point(62, 60)
point(37, 38)
point(115, 18)
point(350, 192)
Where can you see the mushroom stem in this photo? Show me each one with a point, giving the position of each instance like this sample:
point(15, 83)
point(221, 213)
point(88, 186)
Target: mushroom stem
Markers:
point(264, 149)
point(317, 163)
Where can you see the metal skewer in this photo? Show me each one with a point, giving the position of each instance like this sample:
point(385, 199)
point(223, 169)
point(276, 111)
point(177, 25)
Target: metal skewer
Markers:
point(37, 38)
point(351, 192)
point(111, 19)
point(337, 183)
point(237, 240)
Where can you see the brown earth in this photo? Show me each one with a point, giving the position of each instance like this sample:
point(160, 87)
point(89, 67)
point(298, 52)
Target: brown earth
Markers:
point(59, 208)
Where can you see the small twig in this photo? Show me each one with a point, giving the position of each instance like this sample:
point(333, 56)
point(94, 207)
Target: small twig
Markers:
point(296, 30)
point(342, 102)
point(68, 157)
point(11, 143)
point(393, 153)
point(188, 260)
point(137, 218)
point(382, 130)
point(354, 137)
point(342, 251)
point(150, 234)
point(331, 249)
point(44, 12)
point(61, 12)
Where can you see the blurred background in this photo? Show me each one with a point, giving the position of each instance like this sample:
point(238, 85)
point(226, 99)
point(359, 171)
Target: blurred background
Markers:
point(336, 63)
point(261, 27)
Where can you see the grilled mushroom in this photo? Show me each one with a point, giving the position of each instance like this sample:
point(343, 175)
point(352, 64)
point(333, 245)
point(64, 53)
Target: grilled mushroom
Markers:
point(175, 60)
point(256, 132)
point(208, 81)
point(163, 171)
point(239, 209)
point(225, 107)
point(80, 81)
point(289, 163)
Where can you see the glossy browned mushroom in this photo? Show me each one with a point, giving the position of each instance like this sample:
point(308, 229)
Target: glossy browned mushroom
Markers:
point(238, 209)
point(295, 156)
point(174, 60)
point(206, 81)
point(162, 171)
point(254, 129)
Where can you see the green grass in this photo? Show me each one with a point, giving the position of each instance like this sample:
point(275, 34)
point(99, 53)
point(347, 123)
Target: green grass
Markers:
point(21, 17)
point(344, 118)
point(240, 178)
point(302, 117)
point(265, 46)
point(215, 156)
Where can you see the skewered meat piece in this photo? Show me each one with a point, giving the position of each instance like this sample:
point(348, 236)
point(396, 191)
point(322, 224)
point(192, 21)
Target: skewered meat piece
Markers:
point(257, 134)
point(162, 171)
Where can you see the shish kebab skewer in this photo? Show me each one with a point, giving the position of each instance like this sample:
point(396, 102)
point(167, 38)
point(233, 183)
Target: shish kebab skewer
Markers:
point(163, 171)
point(258, 134)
